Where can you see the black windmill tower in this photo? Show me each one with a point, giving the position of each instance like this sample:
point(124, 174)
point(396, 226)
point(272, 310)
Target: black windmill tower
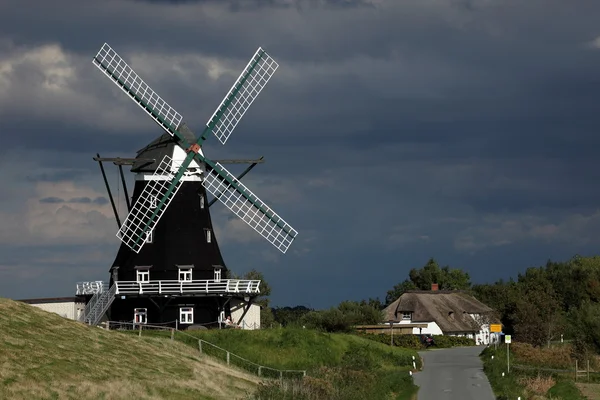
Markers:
point(169, 266)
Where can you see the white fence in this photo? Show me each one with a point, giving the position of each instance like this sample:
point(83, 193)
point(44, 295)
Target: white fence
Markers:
point(210, 349)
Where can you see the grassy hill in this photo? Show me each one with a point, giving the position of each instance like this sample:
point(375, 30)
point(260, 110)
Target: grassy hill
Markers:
point(339, 366)
point(45, 356)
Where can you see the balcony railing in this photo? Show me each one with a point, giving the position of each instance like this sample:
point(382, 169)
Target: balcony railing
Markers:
point(195, 287)
point(84, 288)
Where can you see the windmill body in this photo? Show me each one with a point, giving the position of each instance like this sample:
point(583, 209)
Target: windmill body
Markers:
point(169, 266)
point(174, 252)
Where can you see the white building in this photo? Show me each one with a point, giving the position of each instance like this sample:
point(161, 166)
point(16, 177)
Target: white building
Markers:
point(67, 307)
point(445, 312)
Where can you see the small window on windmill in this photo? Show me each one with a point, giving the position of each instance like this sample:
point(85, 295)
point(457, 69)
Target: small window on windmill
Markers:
point(149, 236)
point(140, 315)
point(201, 201)
point(208, 235)
point(186, 315)
point(185, 274)
point(218, 274)
point(153, 202)
point(143, 275)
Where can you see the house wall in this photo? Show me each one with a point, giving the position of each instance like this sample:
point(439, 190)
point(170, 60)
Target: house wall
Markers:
point(70, 309)
point(483, 336)
point(432, 329)
point(251, 319)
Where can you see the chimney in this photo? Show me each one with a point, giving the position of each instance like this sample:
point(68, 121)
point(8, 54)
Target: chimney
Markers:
point(434, 287)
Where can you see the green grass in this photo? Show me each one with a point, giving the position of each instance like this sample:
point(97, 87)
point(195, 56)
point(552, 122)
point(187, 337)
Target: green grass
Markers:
point(339, 366)
point(45, 356)
point(526, 383)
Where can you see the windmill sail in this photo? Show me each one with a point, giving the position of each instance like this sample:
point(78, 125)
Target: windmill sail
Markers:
point(246, 205)
point(242, 94)
point(150, 206)
point(122, 75)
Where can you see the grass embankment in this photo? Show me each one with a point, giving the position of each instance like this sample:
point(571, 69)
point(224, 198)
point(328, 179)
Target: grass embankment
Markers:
point(45, 356)
point(339, 366)
point(536, 373)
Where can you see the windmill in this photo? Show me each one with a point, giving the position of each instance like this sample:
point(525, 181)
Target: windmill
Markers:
point(151, 205)
point(174, 170)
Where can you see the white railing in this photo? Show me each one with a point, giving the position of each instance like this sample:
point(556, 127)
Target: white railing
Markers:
point(93, 287)
point(209, 286)
point(99, 304)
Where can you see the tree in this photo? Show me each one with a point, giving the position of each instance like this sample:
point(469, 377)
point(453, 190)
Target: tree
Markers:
point(421, 278)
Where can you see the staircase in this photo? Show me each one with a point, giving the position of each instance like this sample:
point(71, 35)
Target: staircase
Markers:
point(98, 305)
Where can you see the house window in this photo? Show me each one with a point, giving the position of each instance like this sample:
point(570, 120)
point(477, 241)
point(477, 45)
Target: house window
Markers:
point(140, 315)
point(143, 275)
point(149, 236)
point(217, 274)
point(406, 315)
point(186, 315)
point(208, 235)
point(185, 274)
point(153, 202)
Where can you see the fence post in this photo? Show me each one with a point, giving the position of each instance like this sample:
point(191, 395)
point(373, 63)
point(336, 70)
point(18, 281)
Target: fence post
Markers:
point(140, 334)
point(304, 374)
point(172, 334)
point(227, 358)
point(259, 370)
point(200, 345)
point(588, 370)
point(576, 370)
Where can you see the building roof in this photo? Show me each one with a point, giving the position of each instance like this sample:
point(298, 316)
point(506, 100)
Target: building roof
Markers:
point(54, 300)
point(158, 148)
point(450, 309)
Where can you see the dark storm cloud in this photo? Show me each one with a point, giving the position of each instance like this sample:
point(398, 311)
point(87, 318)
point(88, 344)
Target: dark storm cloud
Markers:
point(402, 114)
point(52, 200)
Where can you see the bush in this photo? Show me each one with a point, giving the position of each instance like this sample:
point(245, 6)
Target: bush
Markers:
point(554, 357)
point(452, 341)
point(414, 342)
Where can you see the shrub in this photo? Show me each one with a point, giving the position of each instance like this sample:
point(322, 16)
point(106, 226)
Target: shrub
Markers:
point(554, 357)
point(452, 341)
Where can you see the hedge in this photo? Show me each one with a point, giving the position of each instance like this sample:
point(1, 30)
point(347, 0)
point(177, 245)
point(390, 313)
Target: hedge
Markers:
point(413, 341)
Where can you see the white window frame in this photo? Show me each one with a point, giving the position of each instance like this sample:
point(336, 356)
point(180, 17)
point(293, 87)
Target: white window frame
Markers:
point(150, 236)
point(185, 274)
point(208, 234)
point(186, 315)
point(140, 316)
point(406, 316)
point(217, 274)
point(142, 275)
point(201, 202)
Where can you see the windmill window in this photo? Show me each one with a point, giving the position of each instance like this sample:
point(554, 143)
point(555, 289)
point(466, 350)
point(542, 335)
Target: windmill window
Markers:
point(217, 274)
point(143, 275)
point(406, 315)
point(186, 315)
point(201, 201)
point(140, 315)
point(208, 235)
point(149, 236)
point(185, 274)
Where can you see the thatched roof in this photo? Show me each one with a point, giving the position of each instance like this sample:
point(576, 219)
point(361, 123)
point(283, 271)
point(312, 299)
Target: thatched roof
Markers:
point(450, 309)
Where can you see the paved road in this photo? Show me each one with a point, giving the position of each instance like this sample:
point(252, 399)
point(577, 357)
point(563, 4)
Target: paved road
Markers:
point(453, 374)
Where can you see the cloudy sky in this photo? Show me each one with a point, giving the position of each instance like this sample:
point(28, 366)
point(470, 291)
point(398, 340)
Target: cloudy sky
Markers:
point(393, 131)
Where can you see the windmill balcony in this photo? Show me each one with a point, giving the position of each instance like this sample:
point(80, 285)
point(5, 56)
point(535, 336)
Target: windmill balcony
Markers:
point(190, 288)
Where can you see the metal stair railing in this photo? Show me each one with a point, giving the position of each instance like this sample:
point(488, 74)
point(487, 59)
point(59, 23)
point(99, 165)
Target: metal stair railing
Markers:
point(93, 300)
point(100, 305)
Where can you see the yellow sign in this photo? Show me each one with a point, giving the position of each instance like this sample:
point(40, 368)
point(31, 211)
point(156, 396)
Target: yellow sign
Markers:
point(495, 328)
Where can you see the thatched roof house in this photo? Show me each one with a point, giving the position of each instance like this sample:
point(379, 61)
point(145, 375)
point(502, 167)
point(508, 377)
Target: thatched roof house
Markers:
point(454, 312)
